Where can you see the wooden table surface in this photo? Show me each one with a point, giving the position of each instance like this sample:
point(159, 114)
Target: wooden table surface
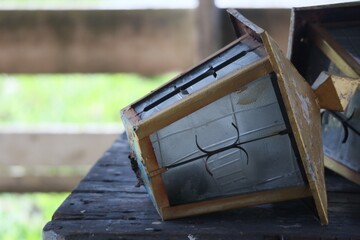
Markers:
point(106, 205)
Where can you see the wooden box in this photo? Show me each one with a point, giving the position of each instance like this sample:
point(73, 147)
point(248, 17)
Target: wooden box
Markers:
point(327, 38)
point(239, 129)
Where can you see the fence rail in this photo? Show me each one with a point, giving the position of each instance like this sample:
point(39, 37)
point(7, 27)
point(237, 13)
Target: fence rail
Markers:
point(48, 161)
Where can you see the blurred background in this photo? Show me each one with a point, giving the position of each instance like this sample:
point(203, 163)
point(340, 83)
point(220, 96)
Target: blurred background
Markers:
point(68, 67)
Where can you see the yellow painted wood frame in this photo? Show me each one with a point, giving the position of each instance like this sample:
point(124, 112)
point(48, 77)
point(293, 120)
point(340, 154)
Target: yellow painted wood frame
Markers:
point(200, 99)
point(348, 65)
point(304, 116)
point(244, 200)
point(342, 170)
point(334, 51)
point(302, 110)
point(203, 97)
point(292, 86)
point(143, 129)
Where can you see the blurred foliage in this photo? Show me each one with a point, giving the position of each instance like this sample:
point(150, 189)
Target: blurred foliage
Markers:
point(22, 216)
point(71, 98)
point(59, 98)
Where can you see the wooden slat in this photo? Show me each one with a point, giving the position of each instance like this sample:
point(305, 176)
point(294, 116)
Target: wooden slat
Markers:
point(344, 171)
point(245, 200)
point(41, 148)
point(203, 97)
point(337, 54)
point(157, 183)
point(46, 160)
point(326, 93)
point(346, 88)
point(243, 225)
point(304, 116)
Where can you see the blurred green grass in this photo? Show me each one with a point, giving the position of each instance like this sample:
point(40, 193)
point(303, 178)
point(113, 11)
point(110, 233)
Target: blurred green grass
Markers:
point(22, 216)
point(59, 98)
point(71, 98)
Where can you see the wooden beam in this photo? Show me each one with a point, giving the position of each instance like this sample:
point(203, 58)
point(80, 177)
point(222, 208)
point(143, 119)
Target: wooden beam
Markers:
point(157, 183)
point(326, 93)
point(53, 148)
point(337, 54)
point(304, 117)
point(143, 41)
point(342, 170)
point(203, 97)
point(250, 199)
point(334, 92)
point(49, 159)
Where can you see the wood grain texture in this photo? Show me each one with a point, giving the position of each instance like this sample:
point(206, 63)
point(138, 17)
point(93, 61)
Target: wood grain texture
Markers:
point(304, 116)
point(335, 92)
point(326, 93)
point(346, 88)
point(105, 205)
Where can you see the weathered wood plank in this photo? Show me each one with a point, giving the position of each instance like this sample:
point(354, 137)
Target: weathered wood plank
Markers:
point(303, 113)
point(112, 205)
point(105, 205)
point(97, 40)
point(267, 220)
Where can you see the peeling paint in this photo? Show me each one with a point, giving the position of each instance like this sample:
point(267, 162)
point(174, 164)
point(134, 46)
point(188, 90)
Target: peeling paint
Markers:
point(305, 106)
point(191, 237)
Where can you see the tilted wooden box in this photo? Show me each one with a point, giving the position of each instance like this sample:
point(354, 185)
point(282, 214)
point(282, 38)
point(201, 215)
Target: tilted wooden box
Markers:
point(327, 38)
point(241, 128)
